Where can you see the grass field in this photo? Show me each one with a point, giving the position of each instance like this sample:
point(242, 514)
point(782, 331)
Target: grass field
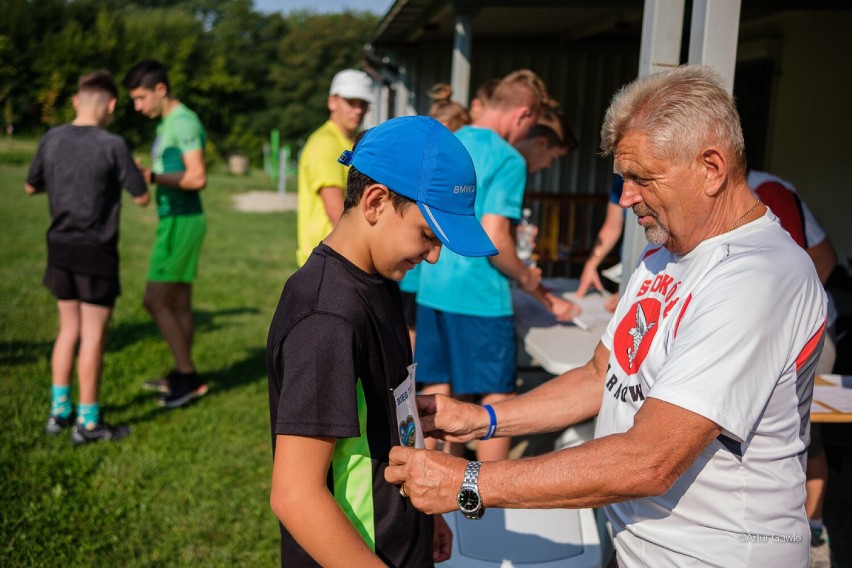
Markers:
point(190, 486)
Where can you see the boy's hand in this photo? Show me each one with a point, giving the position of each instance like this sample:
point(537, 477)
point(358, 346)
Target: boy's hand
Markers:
point(562, 309)
point(531, 279)
point(146, 172)
point(442, 541)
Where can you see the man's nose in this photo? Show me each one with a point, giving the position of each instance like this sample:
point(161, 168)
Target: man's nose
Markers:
point(629, 196)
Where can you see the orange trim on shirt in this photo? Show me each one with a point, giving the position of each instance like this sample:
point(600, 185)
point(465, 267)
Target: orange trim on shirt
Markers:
point(809, 348)
point(649, 252)
point(682, 311)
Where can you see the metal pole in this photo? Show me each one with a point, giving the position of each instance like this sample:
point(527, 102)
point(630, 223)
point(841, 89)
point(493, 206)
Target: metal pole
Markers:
point(662, 25)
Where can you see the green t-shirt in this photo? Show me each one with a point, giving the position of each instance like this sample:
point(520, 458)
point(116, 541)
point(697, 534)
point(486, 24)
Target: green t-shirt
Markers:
point(318, 168)
point(178, 133)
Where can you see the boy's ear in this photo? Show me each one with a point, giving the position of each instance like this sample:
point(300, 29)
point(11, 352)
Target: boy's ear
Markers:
point(374, 199)
point(522, 114)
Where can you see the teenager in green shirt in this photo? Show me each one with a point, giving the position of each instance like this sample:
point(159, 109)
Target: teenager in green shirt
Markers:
point(179, 174)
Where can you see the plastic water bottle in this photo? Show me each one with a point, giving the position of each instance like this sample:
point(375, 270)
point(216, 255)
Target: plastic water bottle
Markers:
point(525, 235)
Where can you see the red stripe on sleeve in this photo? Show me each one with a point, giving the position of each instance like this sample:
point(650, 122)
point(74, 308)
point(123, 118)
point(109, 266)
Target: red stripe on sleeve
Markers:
point(810, 346)
point(785, 205)
point(682, 311)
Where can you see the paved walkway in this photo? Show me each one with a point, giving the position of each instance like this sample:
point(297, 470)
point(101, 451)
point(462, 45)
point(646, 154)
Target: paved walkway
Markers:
point(264, 202)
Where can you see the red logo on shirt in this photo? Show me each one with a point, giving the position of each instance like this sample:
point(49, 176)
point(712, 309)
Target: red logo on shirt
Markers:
point(635, 333)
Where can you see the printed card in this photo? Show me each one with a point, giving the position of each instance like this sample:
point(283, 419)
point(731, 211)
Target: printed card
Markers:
point(407, 418)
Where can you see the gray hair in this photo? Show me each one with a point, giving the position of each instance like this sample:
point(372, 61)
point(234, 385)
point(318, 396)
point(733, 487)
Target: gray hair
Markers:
point(680, 110)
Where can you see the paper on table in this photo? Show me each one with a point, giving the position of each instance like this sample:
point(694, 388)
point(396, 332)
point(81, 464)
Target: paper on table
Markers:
point(844, 381)
point(592, 305)
point(817, 408)
point(613, 273)
point(836, 397)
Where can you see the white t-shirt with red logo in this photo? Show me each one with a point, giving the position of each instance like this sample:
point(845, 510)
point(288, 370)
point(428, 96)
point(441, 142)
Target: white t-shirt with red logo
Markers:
point(731, 331)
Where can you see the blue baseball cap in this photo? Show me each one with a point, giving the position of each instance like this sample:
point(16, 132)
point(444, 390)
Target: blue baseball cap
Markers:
point(419, 158)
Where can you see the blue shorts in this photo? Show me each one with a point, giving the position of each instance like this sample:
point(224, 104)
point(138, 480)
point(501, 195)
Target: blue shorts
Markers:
point(475, 355)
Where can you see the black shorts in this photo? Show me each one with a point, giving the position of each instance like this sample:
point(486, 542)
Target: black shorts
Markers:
point(409, 309)
point(88, 288)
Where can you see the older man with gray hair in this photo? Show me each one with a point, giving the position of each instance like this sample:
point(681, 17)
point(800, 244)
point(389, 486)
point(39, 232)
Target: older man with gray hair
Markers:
point(702, 381)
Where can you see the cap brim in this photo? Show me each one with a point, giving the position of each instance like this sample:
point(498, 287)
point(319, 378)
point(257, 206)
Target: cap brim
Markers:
point(462, 234)
point(360, 94)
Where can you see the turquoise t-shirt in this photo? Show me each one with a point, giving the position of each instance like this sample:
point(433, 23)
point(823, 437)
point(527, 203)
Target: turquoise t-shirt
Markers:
point(179, 132)
point(411, 282)
point(472, 286)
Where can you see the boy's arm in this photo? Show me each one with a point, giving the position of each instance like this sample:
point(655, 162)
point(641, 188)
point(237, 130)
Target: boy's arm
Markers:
point(302, 502)
point(498, 229)
point(31, 190)
point(193, 178)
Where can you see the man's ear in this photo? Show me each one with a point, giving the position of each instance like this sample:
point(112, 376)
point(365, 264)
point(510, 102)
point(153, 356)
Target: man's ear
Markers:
point(161, 89)
point(714, 161)
point(374, 199)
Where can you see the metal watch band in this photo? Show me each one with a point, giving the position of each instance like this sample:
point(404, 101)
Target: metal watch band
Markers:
point(471, 474)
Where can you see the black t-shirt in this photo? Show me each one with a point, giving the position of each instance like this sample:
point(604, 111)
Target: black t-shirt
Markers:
point(84, 169)
point(337, 347)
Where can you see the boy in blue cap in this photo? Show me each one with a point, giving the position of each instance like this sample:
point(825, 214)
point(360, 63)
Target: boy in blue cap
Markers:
point(338, 347)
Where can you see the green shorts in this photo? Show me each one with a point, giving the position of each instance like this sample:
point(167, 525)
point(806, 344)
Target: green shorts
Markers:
point(176, 248)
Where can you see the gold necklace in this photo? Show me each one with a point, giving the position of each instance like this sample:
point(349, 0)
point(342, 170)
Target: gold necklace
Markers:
point(747, 213)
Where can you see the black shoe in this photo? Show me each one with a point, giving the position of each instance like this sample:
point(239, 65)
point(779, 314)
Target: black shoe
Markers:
point(56, 424)
point(185, 387)
point(99, 433)
point(163, 384)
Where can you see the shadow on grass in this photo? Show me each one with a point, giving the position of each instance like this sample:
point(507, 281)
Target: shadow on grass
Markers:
point(246, 371)
point(126, 334)
point(119, 336)
point(23, 352)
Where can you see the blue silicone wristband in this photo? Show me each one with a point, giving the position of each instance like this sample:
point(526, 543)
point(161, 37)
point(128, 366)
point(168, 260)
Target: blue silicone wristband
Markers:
point(492, 427)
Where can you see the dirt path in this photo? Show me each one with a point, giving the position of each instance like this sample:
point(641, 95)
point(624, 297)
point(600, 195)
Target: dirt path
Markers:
point(264, 202)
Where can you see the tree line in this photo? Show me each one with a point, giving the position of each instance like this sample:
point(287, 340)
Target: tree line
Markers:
point(244, 72)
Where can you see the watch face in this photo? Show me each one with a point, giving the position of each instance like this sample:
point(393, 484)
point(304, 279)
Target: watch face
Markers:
point(468, 500)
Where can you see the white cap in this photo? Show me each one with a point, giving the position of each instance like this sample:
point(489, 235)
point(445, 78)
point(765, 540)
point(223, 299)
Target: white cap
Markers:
point(352, 84)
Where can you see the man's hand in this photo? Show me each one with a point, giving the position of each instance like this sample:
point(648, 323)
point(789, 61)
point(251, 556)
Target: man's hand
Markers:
point(445, 418)
point(442, 541)
point(432, 479)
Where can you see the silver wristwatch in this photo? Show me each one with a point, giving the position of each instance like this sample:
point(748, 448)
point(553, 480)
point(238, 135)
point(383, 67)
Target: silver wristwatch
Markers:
point(469, 499)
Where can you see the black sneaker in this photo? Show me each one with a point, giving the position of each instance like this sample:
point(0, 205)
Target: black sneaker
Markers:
point(56, 424)
point(185, 387)
point(99, 433)
point(163, 384)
